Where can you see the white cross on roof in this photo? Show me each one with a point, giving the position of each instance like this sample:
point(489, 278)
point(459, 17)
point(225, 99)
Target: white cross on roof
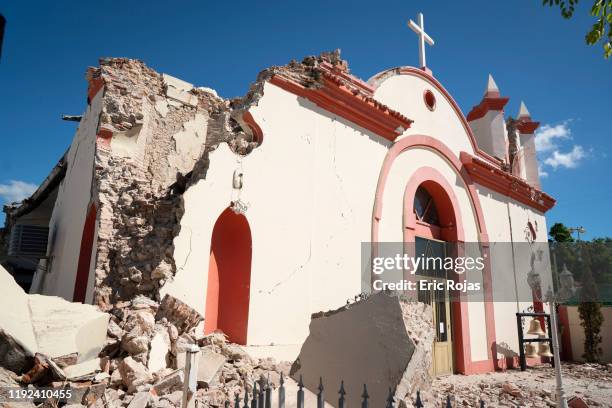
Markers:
point(423, 37)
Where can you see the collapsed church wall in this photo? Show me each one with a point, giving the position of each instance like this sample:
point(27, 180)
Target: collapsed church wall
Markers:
point(152, 139)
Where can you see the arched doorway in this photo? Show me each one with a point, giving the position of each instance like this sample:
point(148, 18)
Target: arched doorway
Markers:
point(87, 240)
point(433, 228)
point(229, 277)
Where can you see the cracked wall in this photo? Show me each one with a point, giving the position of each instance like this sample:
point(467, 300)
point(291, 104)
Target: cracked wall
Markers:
point(166, 156)
point(308, 206)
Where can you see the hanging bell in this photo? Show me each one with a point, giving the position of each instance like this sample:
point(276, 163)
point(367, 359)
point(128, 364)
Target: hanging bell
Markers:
point(530, 351)
point(544, 350)
point(535, 328)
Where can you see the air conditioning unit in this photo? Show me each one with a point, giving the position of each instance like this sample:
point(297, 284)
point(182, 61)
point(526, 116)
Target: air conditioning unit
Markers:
point(29, 241)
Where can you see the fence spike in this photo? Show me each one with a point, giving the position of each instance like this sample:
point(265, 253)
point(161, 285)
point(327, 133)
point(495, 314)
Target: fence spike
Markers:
point(300, 393)
point(448, 402)
point(254, 401)
point(365, 396)
point(320, 401)
point(237, 400)
point(246, 397)
point(390, 399)
point(482, 405)
point(226, 404)
point(342, 394)
point(262, 401)
point(281, 392)
point(418, 403)
point(268, 393)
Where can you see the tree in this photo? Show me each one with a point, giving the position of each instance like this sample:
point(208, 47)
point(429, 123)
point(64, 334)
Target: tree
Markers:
point(601, 30)
point(560, 233)
point(589, 311)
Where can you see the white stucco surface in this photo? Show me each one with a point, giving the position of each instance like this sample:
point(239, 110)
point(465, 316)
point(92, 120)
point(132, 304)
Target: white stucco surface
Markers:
point(404, 93)
point(70, 210)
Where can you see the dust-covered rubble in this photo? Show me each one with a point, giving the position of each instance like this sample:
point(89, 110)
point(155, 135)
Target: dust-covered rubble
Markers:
point(534, 387)
point(142, 362)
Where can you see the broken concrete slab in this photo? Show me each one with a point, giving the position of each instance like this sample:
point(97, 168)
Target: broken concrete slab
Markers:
point(368, 342)
point(83, 371)
point(209, 366)
point(50, 325)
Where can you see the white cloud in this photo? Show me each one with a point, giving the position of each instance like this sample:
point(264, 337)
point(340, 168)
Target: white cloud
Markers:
point(547, 136)
point(543, 173)
point(16, 191)
point(569, 160)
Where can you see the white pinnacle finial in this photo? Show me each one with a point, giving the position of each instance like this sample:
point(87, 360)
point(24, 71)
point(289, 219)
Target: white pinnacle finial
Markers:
point(491, 86)
point(419, 29)
point(523, 112)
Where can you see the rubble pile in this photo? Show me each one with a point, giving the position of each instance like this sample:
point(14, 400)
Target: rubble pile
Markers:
point(142, 362)
point(592, 383)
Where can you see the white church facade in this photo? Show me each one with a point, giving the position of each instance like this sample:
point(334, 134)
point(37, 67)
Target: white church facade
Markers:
point(265, 239)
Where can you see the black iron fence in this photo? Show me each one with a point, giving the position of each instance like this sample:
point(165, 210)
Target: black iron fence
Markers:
point(261, 397)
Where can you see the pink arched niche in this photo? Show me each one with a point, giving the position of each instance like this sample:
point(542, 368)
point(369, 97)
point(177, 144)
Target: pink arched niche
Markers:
point(440, 188)
point(85, 253)
point(229, 277)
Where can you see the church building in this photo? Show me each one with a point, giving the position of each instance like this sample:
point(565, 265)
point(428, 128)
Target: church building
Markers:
point(254, 210)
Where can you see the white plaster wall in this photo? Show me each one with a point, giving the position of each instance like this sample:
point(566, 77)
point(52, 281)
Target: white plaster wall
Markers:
point(309, 208)
point(506, 222)
point(404, 93)
point(70, 210)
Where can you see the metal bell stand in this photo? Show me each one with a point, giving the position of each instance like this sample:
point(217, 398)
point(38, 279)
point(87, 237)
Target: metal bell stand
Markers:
point(523, 340)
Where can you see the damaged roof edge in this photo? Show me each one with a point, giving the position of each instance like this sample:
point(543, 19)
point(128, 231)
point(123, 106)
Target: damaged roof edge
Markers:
point(49, 184)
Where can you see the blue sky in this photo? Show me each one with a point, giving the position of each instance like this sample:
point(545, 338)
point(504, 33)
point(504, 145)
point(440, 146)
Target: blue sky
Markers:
point(532, 52)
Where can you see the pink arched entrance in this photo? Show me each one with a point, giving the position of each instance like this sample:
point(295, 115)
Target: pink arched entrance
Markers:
point(229, 277)
point(440, 188)
point(87, 239)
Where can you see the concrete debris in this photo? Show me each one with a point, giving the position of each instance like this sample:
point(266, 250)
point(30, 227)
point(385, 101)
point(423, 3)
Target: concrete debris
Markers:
point(373, 338)
point(535, 387)
point(83, 371)
point(171, 383)
point(134, 374)
point(209, 366)
point(159, 349)
point(48, 325)
point(140, 400)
